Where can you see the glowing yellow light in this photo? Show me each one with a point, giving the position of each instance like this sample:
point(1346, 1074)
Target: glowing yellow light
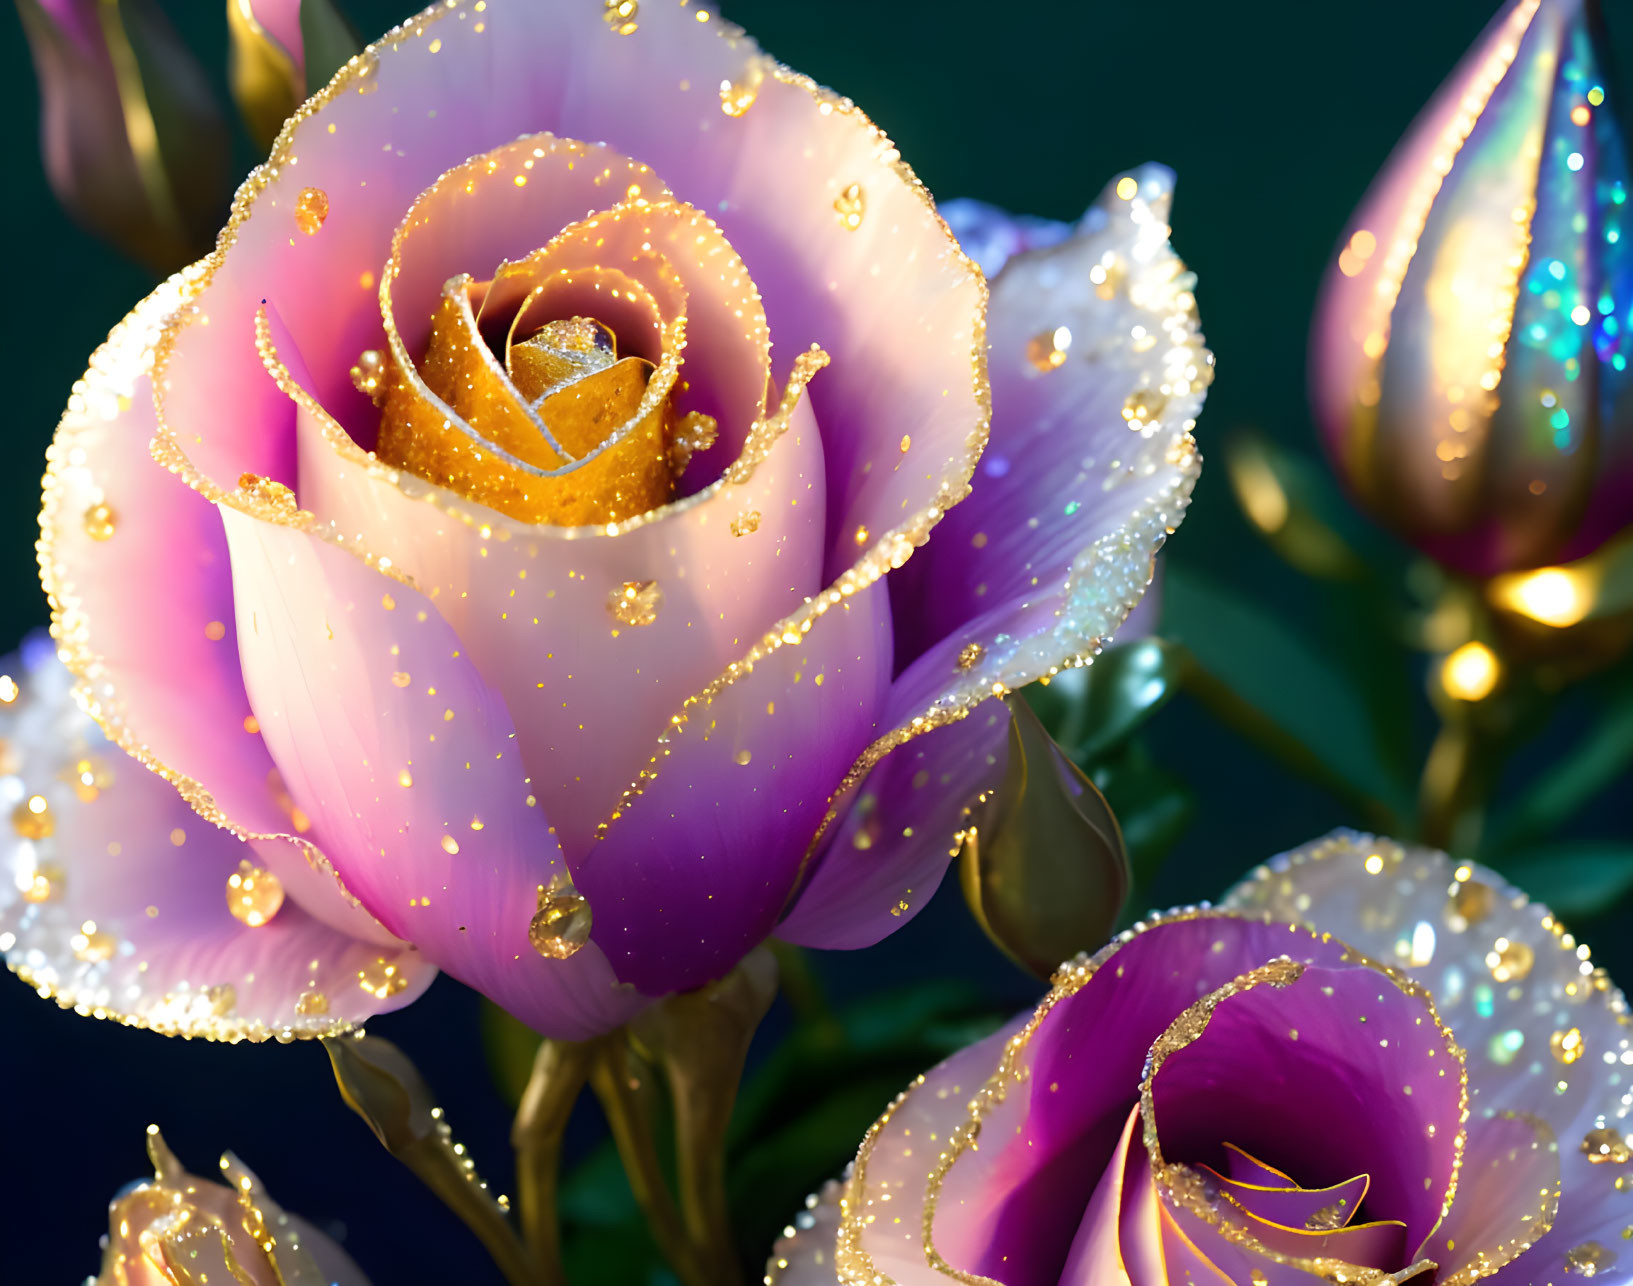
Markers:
point(1127, 187)
point(1550, 595)
point(1470, 673)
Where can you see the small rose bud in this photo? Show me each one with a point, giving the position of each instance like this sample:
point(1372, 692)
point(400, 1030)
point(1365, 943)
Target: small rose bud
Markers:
point(1470, 350)
point(133, 144)
point(282, 52)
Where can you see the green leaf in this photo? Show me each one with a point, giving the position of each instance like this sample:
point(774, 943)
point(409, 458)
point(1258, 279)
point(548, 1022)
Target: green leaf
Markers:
point(1153, 806)
point(1292, 502)
point(509, 1046)
point(1578, 879)
point(1255, 674)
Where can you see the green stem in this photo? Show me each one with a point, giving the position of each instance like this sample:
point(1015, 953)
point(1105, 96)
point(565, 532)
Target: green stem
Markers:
point(1231, 710)
point(625, 1092)
point(560, 1070)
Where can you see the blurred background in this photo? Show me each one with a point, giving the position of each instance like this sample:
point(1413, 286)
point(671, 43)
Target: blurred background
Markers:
point(1275, 119)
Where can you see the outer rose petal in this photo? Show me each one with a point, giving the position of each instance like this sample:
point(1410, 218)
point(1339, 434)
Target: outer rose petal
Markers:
point(890, 837)
point(1057, 1116)
point(1035, 570)
point(121, 910)
point(883, 860)
point(1544, 1032)
point(1091, 462)
point(991, 235)
point(804, 1254)
point(406, 761)
point(164, 684)
point(882, 1230)
point(697, 863)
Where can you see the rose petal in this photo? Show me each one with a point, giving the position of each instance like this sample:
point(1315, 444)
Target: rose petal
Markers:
point(1050, 1118)
point(406, 761)
point(1091, 461)
point(804, 1254)
point(898, 830)
point(697, 862)
point(1510, 982)
point(1097, 1254)
point(535, 606)
point(882, 1224)
point(1288, 1204)
point(165, 685)
point(121, 910)
point(1330, 1072)
point(1507, 1197)
point(1041, 564)
point(992, 235)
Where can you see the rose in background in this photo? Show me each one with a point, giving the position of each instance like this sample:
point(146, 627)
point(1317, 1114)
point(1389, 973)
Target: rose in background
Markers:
point(1369, 1064)
point(177, 1230)
point(457, 542)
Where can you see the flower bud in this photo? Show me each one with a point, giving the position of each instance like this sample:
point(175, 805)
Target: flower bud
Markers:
point(1469, 354)
point(177, 1229)
point(283, 51)
point(132, 141)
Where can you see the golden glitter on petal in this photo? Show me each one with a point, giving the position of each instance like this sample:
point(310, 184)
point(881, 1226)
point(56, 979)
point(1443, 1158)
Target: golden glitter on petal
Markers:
point(969, 655)
point(312, 1003)
point(1328, 1217)
point(32, 819)
point(850, 205)
point(695, 432)
point(382, 979)
point(311, 209)
point(635, 602)
point(368, 375)
point(44, 883)
point(737, 96)
point(1606, 1146)
point(1473, 900)
point(621, 15)
point(100, 520)
point(1567, 1045)
point(92, 945)
point(1047, 349)
point(254, 895)
point(1143, 407)
point(1589, 1259)
point(746, 523)
point(561, 925)
point(1510, 961)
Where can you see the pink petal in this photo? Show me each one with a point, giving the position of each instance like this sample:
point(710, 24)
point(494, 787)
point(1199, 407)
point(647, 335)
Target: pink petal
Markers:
point(407, 763)
point(897, 831)
point(1097, 1255)
point(696, 864)
point(164, 684)
point(1507, 1197)
point(1091, 462)
point(1047, 1138)
point(532, 603)
point(882, 1231)
point(122, 910)
point(804, 1254)
point(1512, 985)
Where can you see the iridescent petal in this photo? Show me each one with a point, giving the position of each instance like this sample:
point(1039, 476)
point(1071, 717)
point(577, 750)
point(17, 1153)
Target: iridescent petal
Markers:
point(116, 899)
point(405, 760)
point(804, 1254)
point(1545, 1034)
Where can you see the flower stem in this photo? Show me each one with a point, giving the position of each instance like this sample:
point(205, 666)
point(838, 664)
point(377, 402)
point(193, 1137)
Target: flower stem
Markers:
point(560, 1070)
point(625, 1091)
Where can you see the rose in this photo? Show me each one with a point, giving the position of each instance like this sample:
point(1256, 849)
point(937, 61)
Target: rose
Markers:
point(556, 726)
point(1426, 1084)
point(179, 1227)
point(1469, 358)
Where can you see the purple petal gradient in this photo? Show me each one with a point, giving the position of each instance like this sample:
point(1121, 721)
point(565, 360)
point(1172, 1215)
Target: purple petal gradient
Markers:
point(406, 761)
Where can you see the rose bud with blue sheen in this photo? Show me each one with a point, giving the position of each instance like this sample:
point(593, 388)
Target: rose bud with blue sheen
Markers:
point(1469, 357)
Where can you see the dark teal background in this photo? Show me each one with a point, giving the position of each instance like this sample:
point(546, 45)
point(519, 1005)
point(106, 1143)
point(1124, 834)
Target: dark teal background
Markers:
point(1274, 115)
